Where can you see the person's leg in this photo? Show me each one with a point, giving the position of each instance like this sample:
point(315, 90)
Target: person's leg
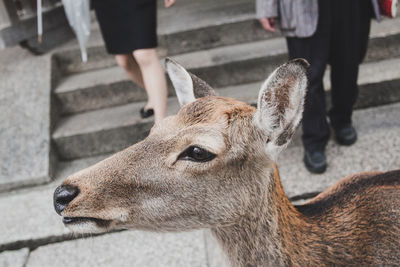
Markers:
point(128, 63)
point(314, 124)
point(315, 50)
point(154, 81)
point(367, 13)
point(350, 31)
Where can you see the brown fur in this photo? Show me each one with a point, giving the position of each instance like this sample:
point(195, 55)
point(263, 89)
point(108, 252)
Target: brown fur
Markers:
point(239, 194)
point(211, 109)
point(280, 97)
point(202, 88)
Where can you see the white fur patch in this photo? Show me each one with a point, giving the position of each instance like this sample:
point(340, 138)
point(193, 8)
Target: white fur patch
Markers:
point(265, 113)
point(212, 142)
point(182, 82)
point(90, 227)
point(87, 227)
point(273, 150)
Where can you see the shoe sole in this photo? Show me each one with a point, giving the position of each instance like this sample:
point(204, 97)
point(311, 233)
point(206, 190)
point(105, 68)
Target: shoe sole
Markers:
point(346, 142)
point(316, 170)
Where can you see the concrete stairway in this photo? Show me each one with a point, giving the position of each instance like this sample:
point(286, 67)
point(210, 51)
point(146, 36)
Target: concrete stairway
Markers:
point(98, 114)
point(100, 105)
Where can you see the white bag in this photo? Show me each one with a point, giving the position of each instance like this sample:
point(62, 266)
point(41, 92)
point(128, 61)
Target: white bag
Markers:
point(78, 15)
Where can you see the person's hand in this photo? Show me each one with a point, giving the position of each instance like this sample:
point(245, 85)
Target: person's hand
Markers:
point(169, 3)
point(267, 23)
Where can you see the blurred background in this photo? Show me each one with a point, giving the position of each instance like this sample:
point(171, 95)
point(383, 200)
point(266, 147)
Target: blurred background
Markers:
point(59, 115)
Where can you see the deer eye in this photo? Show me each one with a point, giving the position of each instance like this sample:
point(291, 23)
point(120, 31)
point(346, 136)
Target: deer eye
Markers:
point(197, 154)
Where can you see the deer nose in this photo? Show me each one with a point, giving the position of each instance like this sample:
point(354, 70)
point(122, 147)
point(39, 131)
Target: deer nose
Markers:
point(63, 195)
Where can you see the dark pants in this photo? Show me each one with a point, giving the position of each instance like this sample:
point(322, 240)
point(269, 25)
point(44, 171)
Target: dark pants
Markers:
point(341, 39)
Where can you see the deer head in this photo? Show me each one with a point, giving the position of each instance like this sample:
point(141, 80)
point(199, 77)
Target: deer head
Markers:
point(200, 168)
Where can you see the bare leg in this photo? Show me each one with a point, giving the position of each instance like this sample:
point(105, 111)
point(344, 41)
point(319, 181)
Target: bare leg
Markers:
point(129, 64)
point(154, 81)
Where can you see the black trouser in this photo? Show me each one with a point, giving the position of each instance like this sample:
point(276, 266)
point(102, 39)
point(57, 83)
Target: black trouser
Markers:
point(341, 40)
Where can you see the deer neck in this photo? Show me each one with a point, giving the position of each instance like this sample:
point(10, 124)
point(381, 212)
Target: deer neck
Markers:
point(269, 234)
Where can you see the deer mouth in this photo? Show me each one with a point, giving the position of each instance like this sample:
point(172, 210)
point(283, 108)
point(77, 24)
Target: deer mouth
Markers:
point(82, 220)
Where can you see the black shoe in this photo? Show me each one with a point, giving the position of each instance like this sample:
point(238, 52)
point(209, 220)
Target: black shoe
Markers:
point(315, 161)
point(146, 113)
point(346, 136)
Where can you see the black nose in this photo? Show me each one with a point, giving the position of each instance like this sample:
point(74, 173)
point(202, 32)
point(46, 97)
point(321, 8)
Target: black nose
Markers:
point(63, 195)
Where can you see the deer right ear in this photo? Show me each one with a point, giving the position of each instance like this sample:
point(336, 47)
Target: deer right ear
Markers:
point(187, 86)
point(280, 104)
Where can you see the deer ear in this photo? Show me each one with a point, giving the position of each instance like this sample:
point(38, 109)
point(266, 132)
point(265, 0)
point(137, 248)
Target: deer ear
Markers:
point(187, 86)
point(280, 104)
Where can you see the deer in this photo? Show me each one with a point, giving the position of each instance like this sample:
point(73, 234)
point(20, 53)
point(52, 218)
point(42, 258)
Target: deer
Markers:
point(213, 166)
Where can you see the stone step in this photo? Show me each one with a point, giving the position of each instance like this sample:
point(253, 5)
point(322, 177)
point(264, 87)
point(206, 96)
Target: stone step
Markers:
point(112, 129)
point(201, 25)
point(248, 62)
point(188, 26)
point(222, 66)
point(111, 86)
point(32, 222)
point(26, 156)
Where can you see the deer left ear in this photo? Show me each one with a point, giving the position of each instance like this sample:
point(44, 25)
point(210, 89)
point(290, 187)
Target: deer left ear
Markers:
point(187, 86)
point(280, 104)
